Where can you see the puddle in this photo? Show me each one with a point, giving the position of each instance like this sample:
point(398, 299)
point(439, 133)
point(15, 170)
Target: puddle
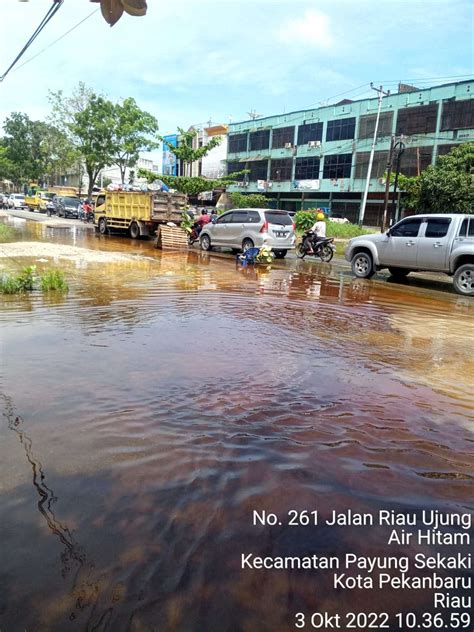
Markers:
point(148, 413)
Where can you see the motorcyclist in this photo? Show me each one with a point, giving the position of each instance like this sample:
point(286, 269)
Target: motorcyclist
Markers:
point(317, 232)
point(201, 222)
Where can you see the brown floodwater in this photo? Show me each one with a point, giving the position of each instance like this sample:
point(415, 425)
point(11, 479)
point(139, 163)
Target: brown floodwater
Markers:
point(151, 410)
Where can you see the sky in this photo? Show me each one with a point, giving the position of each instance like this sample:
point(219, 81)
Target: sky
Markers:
point(191, 61)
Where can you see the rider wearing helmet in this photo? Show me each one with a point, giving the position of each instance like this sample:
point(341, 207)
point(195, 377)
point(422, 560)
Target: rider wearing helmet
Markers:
point(318, 230)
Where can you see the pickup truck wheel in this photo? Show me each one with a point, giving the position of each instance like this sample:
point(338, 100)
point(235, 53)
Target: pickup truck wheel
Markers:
point(399, 273)
point(463, 279)
point(362, 265)
point(205, 242)
point(134, 230)
point(102, 226)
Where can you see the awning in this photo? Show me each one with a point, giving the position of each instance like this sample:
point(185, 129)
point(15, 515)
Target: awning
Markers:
point(255, 158)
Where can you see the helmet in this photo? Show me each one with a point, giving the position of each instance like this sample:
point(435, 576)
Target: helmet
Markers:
point(320, 216)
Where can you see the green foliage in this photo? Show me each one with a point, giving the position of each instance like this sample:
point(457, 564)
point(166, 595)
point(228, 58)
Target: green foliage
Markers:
point(345, 231)
point(185, 151)
point(304, 220)
point(447, 187)
point(23, 149)
point(6, 165)
point(186, 222)
point(26, 279)
point(248, 200)
point(53, 280)
point(16, 284)
point(134, 131)
point(93, 130)
point(6, 233)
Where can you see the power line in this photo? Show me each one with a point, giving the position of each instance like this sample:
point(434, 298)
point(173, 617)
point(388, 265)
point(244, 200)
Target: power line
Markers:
point(57, 40)
point(53, 9)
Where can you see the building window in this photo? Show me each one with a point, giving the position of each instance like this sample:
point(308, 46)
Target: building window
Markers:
point(379, 165)
point(258, 170)
point(415, 160)
point(419, 119)
point(338, 166)
point(260, 140)
point(342, 129)
point(233, 167)
point(309, 132)
point(445, 149)
point(367, 125)
point(307, 169)
point(237, 143)
point(457, 115)
point(283, 135)
point(281, 169)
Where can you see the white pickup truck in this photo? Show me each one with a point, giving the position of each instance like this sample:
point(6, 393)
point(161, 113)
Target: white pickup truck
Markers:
point(434, 243)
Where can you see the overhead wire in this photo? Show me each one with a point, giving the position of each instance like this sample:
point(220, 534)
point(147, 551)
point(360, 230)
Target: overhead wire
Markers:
point(53, 9)
point(57, 40)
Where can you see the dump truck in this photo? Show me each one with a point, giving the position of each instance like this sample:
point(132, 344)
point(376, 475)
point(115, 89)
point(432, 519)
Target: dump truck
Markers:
point(37, 200)
point(138, 213)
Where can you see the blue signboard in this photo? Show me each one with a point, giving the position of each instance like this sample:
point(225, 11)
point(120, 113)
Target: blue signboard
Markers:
point(170, 163)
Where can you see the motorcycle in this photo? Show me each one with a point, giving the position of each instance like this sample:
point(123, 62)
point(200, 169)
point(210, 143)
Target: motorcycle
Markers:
point(193, 236)
point(324, 248)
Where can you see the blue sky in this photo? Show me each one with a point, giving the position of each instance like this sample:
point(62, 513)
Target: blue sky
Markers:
point(188, 61)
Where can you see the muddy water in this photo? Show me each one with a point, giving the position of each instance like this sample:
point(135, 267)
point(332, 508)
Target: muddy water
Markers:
point(151, 410)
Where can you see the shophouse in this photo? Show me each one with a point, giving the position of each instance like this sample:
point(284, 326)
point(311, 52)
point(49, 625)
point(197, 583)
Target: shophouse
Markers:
point(319, 157)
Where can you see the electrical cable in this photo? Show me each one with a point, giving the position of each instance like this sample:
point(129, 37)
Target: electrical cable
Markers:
point(57, 40)
point(53, 9)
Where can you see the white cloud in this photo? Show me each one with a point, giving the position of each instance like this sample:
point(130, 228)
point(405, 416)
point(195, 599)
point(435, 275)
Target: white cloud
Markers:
point(312, 29)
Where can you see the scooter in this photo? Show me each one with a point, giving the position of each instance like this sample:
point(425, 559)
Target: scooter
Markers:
point(193, 236)
point(324, 248)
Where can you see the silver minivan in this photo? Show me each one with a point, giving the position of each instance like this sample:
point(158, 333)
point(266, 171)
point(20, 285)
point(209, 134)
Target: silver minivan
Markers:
point(244, 228)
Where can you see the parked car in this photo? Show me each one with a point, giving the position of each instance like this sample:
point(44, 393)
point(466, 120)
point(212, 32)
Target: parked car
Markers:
point(67, 206)
point(338, 218)
point(434, 243)
point(16, 200)
point(244, 228)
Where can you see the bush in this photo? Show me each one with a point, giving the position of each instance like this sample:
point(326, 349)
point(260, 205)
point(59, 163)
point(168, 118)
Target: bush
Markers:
point(25, 281)
point(54, 280)
point(248, 200)
point(345, 231)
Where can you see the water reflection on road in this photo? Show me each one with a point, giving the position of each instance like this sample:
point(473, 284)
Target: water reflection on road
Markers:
point(150, 411)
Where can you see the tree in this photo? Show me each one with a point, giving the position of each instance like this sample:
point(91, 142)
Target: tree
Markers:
point(448, 186)
point(6, 165)
point(132, 130)
point(185, 152)
point(248, 200)
point(445, 187)
point(24, 150)
point(191, 185)
point(93, 132)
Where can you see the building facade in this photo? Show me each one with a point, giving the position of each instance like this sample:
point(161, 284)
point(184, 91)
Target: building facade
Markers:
point(319, 157)
point(213, 165)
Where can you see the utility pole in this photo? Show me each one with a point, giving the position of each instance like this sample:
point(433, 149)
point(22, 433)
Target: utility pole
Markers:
point(398, 148)
point(387, 184)
point(381, 94)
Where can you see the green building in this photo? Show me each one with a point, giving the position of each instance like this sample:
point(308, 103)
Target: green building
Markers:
point(319, 157)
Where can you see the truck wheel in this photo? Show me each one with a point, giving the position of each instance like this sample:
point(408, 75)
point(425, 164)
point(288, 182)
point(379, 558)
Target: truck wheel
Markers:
point(102, 226)
point(463, 280)
point(205, 242)
point(362, 265)
point(399, 273)
point(134, 230)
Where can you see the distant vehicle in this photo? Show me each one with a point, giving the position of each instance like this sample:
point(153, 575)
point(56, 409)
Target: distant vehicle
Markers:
point(38, 200)
point(432, 243)
point(16, 200)
point(338, 218)
point(244, 228)
point(67, 207)
point(3, 200)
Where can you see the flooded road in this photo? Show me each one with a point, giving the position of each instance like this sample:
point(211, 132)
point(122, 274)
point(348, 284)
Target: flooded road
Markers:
point(150, 411)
